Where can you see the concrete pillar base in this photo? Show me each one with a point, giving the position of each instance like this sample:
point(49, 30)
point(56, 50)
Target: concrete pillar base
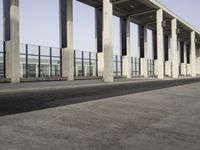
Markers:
point(156, 67)
point(100, 64)
point(144, 67)
point(68, 63)
point(183, 69)
point(189, 70)
point(126, 64)
point(168, 68)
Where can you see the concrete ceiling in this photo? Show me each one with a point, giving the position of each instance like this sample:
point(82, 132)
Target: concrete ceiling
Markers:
point(143, 12)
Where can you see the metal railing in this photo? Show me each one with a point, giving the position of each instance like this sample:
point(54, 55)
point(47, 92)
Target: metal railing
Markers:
point(40, 61)
point(2, 59)
point(135, 66)
point(150, 64)
point(117, 65)
point(85, 64)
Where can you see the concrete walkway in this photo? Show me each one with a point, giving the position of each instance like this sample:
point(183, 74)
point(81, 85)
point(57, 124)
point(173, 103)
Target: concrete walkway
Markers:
point(163, 119)
point(27, 86)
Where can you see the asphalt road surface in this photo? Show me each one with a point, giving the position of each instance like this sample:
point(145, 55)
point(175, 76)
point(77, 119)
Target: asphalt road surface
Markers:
point(161, 115)
point(25, 101)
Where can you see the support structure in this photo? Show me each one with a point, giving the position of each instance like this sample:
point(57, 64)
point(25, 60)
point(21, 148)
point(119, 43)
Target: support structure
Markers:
point(99, 39)
point(154, 47)
point(126, 46)
point(185, 59)
point(142, 30)
point(174, 49)
point(107, 41)
point(160, 44)
point(189, 60)
point(193, 54)
point(11, 37)
point(167, 55)
point(198, 61)
point(66, 38)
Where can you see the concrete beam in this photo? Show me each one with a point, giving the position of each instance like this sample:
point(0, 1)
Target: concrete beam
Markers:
point(66, 38)
point(143, 13)
point(11, 36)
point(160, 44)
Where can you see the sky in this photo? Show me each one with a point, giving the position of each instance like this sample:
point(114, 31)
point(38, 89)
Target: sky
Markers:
point(39, 23)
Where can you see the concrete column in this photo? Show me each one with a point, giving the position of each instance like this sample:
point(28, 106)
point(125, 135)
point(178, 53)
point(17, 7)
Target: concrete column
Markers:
point(198, 61)
point(185, 59)
point(166, 55)
point(193, 54)
point(143, 50)
point(66, 38)
point(170, 55)
point(107, 41)
point(99, 38)
point(11, 36)
point(126, 46)
point(179, 59)
point(154, 47)
point(189, 71)
point(160, 44)
point(174, 49)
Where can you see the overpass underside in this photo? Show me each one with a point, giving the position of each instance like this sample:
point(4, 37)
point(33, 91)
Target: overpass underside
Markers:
point(175, 44)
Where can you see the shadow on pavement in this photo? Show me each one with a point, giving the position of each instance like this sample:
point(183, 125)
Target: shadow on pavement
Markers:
point(21, 102)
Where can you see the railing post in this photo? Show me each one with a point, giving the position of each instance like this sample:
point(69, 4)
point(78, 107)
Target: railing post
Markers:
point(74, 63)
point(121, 66)
point(83, 70)
point(61, 62)
point(50, 61)
point(27, 68)
point(39, 62)
point(116, 66)
point(131, 66)
point(90, 64)
point(4, 59)
point(139, 66)
point(97, 64)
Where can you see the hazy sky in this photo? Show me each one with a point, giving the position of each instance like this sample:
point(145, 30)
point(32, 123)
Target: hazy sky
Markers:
point(39, 22)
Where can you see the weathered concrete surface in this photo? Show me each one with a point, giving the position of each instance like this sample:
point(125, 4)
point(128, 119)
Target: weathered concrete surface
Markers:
point(165, 119)
point(20, 99)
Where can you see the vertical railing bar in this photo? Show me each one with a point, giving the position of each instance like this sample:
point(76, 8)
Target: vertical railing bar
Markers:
point(90, 64)
point(75, 63)
point(83, 73)
point(136, 64)
point(116, 66)
point(39, 61)
point(4, 59)
point(121, 66)
point(61, 68)
point(27, 61)
point(50, 61)
point(97, 64)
